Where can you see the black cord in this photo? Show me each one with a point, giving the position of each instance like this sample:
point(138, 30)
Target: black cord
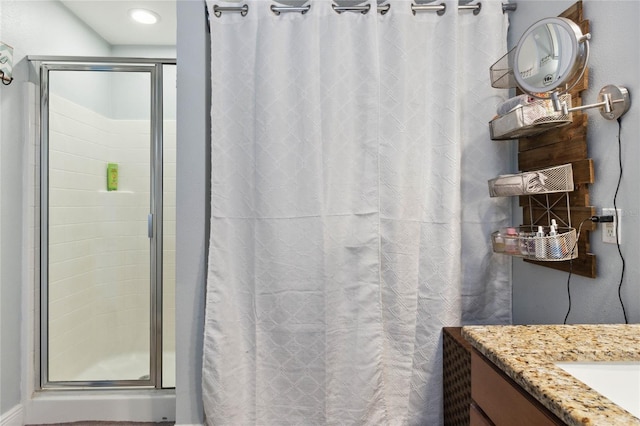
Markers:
point(615, 209)
point(571, 267)
point(569, 289)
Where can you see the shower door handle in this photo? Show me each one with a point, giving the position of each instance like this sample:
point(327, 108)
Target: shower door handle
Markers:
point(150, 225)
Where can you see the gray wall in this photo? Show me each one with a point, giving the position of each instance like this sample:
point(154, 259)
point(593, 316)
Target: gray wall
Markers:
point(540, 294)
point(32, 28)
point(192, 214)
point(169, 73)
point(121, 96)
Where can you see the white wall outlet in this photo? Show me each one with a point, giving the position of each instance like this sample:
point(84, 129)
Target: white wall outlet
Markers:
point(610, 229)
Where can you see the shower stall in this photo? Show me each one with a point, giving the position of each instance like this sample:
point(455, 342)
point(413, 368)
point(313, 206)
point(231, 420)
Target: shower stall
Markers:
point(106, 206)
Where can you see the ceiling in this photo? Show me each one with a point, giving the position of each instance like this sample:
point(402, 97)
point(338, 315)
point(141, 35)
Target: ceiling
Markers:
point(110, 19)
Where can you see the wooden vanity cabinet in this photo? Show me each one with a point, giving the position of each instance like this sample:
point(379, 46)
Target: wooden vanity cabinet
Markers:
point(498, 400)
point(477, 417)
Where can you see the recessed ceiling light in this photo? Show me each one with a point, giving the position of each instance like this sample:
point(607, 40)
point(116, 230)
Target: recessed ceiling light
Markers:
point(144, 16)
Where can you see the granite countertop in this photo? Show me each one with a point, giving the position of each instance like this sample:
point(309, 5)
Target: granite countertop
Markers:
point(527, 354)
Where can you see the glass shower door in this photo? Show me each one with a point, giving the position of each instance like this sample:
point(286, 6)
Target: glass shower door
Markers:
point(100, 243)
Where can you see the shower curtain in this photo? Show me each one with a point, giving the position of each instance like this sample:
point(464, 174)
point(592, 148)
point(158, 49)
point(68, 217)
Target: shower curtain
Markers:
point(350, 215)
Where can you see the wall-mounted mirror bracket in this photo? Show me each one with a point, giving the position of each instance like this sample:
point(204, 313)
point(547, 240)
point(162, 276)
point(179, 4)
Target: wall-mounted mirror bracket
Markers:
point(613, 102)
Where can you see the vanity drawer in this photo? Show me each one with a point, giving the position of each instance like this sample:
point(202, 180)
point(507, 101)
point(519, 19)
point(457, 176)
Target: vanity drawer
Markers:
point(477, 417)
point(503, 400)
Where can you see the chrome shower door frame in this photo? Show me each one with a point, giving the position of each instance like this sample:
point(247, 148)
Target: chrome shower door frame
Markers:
point(154, 67)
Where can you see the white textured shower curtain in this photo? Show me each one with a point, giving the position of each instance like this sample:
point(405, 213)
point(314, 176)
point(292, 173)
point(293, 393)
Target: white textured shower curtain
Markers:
point(350, 216)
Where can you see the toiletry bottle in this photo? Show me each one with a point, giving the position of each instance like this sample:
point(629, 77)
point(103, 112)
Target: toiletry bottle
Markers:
point(555, 251)
point(540, 244)
point(531, 244)
point(562, 240)
point(511, 242)
point(523, 238)
point(112, 177)
point(498, 242)
point(564, 249)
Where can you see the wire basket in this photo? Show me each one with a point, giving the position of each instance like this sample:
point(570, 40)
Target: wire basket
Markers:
point(531, 119)
point(501, 72)
point(543, 181)
point(523, 242)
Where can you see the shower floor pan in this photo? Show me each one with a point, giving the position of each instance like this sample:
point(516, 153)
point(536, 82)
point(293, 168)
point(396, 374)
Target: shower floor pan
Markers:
point(132, 366)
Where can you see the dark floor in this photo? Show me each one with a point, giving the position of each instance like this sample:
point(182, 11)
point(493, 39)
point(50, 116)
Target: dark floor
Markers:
point(109, 424)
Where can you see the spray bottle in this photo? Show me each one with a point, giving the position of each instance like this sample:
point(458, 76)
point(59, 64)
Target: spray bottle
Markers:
point(555, 249)
point(540, 244)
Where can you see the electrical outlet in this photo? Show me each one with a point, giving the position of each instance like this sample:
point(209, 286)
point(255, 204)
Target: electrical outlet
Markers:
point(610, 229)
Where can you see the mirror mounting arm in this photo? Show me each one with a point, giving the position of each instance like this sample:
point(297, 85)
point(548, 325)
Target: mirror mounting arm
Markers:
point(613, 102)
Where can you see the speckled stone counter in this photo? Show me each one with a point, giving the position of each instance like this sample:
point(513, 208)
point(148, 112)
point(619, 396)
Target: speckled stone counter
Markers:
point(527, 354)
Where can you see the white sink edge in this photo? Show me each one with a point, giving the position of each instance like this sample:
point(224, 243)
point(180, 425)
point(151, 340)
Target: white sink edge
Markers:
point(618, 381)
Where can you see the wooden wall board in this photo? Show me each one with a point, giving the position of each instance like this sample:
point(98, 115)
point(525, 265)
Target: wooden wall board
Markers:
point(567, 144)
point(578, 215)
point(574, 12)
point(577, 129)
point(579, 197)
point(583, 171)
point(584, 265)
point(562, 152)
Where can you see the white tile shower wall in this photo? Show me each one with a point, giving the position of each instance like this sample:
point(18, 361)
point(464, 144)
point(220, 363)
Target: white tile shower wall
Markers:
point(76, 149)
point(124, 270)
point(99, 264)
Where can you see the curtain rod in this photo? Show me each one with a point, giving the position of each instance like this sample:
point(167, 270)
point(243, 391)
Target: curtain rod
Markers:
point(440, 9)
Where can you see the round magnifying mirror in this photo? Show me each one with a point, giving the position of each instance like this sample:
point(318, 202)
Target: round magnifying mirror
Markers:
point(550, 56)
